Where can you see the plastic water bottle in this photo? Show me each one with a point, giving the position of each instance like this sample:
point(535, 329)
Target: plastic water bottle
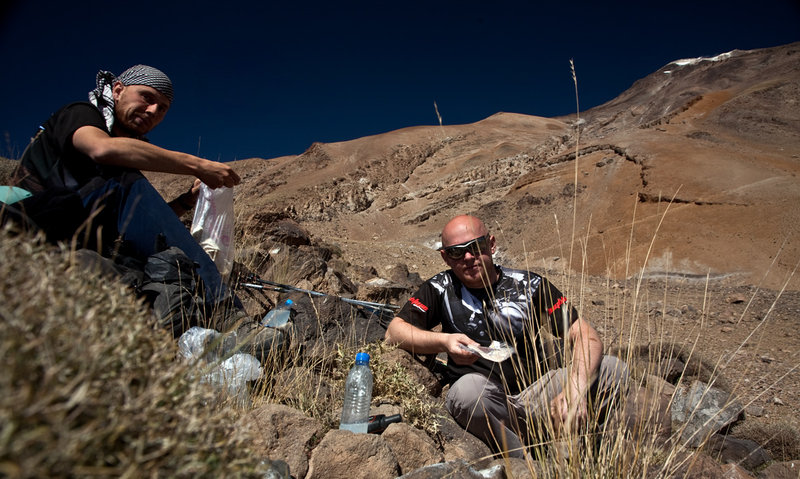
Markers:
point(357, 396)
point(279, 315)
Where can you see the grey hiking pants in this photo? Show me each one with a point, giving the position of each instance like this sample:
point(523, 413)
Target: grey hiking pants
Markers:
point(482, 407)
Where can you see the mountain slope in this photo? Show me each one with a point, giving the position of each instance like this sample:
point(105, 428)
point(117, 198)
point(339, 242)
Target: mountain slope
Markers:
point(719, 138)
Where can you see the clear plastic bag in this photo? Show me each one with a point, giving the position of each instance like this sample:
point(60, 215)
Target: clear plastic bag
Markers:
point(212, 225)
point(211, 350)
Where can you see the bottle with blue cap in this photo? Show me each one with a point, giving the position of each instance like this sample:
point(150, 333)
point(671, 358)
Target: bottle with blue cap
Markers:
point(357, 396)
point(279, 315)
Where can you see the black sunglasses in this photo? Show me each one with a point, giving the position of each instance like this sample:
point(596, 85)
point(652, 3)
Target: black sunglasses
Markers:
point(476, 246)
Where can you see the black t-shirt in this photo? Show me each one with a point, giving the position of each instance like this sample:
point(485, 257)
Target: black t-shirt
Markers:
point(51, 161)
point(522, 309)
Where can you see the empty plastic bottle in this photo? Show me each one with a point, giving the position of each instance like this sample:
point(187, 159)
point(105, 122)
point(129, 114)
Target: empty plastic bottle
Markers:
point(357, 396)
point(279, 315)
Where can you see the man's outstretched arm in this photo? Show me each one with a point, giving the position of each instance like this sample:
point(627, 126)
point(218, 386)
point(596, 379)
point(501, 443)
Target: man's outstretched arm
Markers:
point(133, 153)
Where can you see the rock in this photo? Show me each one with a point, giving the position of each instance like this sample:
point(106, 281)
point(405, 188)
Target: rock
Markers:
point(736, 298)
point(346, 455)
point(456, 468)
point(754, 410)
point(520, 468)
point(645, 412)
point(459, 444)
point(743, 452)
point(781, 470)
point(338, 283)
point(328, 320)
point(699, 411)
point(734, 471)
point(412, 447)
point(699, 466)
point(282, 433)
point(382, 290)
point(289, 232)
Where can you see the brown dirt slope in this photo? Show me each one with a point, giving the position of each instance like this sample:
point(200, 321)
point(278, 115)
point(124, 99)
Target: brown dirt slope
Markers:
point(691, 172)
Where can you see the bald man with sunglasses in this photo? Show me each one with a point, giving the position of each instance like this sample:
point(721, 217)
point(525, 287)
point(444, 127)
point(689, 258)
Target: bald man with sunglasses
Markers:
point(544, 386)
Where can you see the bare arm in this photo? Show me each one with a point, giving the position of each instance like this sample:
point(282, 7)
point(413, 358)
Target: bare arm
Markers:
point(587, 354)
point(132, 153)
point(420, 341)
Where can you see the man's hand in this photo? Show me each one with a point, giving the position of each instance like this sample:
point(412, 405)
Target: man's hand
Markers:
point(216, 175)
point(568, 413)
point(569, 407)
point(419, 341)
point(454, 344)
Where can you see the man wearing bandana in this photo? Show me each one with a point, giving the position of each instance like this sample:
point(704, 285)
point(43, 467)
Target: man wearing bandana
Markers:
point(545, 386)
point(96, 150)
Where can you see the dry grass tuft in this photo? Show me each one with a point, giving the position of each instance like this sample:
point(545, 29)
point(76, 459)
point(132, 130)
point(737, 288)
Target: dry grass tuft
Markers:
point(89, 387)
point(780, 439)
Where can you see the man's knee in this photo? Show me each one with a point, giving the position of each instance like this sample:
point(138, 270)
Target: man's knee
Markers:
point(473, 396)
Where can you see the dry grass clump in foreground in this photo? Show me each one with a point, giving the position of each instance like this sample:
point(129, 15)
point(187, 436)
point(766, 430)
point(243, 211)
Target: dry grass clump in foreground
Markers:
point(89, 387)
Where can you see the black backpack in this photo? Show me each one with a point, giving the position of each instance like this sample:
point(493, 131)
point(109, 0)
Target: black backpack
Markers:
point(170, 286)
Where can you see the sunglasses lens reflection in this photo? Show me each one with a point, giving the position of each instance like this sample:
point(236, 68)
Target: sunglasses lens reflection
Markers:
point(476, 247)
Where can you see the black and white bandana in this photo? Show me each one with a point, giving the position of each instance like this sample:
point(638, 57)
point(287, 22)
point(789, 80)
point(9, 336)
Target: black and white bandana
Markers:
point(148, 76)
point(102, 97)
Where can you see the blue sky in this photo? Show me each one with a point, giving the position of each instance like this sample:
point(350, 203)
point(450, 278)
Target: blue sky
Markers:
point(269, 78)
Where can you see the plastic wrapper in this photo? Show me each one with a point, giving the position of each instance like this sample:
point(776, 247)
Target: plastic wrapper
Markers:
point(210, 351)
point(497, 351)
point(212, 225)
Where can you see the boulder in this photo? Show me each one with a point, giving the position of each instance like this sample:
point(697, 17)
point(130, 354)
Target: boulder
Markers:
point(289, 232)
point(321, 322)
point(346, 455)
point(698, 466)
point(460, 444)
point(734, 471)
point(412, 447)
point(700, 410)
point(781, 470)
point(644, 412)
point(282, 433)
point(731, 450)
point(520, 468)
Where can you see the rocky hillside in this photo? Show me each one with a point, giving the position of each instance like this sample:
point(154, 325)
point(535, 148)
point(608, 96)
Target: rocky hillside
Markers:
point(691, 172)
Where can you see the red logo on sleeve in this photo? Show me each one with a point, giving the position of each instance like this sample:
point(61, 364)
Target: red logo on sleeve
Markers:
point(558, 304)
point(418, 304)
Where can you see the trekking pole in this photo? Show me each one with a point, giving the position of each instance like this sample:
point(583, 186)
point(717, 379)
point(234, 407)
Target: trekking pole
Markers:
point(382, 309)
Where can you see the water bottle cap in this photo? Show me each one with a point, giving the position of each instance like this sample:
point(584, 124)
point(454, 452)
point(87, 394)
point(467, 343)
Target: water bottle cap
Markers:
point(362, 358)
point(289, 302)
